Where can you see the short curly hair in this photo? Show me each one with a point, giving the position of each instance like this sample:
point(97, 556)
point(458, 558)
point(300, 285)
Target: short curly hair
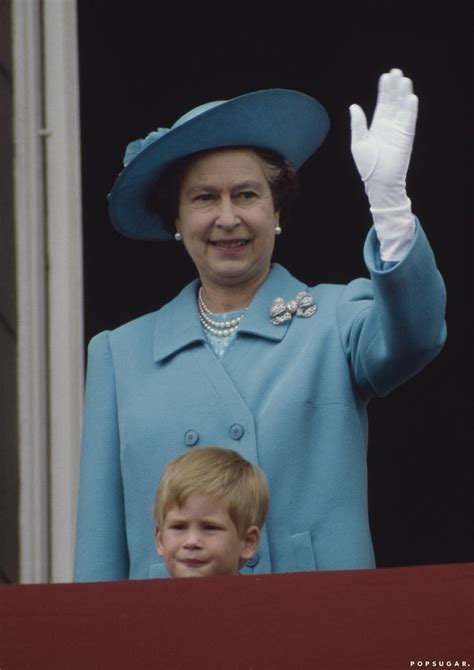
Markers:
point(282, 178)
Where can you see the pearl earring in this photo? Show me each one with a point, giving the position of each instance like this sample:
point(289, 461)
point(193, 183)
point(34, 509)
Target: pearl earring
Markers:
point(178, 237)
point(277, 229)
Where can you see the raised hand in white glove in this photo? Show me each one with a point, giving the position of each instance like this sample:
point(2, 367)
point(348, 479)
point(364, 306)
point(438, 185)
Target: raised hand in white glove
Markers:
point(382, 155)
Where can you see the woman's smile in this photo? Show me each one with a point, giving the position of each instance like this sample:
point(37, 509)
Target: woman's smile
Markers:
point(230, 247)
point(229, 244)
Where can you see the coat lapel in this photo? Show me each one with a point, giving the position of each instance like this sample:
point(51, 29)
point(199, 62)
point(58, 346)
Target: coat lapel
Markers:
point(178, 325)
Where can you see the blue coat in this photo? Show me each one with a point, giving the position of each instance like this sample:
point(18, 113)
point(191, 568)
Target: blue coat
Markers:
point(291, 398)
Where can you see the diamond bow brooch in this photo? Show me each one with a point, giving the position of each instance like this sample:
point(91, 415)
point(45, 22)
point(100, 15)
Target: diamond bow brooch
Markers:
point(302, 305)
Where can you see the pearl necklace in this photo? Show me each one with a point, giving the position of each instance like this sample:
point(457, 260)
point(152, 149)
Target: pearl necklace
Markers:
point(219, 328)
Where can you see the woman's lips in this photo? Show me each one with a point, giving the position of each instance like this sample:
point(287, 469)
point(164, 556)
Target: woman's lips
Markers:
point(231, 246)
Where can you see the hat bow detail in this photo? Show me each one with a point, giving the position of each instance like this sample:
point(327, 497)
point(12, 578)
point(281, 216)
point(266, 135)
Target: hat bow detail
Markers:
point(136, 146)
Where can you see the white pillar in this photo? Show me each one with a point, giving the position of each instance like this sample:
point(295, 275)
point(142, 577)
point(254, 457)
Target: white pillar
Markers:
point(31, 292)
point(49, 282)
point(64, 245)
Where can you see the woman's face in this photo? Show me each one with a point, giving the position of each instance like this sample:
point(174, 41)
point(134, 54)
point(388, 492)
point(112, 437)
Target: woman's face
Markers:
point(227, 217)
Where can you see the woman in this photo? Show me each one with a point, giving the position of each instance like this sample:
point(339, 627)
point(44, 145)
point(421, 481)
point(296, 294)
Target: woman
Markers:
point(247, 356)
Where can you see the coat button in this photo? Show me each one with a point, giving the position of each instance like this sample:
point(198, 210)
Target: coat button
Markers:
point(252, 562)
point(236, 431)
point(191, 438)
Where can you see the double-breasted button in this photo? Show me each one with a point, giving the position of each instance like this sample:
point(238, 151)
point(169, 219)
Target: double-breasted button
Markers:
point(191, 437)
point(252, 562)
point(236, 431)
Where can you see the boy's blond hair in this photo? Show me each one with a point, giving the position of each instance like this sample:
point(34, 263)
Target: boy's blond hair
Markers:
point(218, 473)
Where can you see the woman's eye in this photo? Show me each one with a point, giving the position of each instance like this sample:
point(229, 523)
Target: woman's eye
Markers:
point(247, 195)
point(203, 197)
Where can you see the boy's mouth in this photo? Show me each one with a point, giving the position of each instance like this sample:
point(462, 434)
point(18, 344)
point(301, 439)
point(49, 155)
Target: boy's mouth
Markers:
point(192, 562)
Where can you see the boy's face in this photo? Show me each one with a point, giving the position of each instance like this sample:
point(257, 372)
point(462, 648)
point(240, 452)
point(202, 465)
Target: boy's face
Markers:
point(200, 539)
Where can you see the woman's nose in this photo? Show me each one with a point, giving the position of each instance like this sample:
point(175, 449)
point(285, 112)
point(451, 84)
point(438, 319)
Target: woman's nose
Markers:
point(226, 215)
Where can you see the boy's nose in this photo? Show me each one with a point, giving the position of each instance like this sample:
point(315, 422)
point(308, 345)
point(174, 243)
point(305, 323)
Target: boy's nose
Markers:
point(192, 540)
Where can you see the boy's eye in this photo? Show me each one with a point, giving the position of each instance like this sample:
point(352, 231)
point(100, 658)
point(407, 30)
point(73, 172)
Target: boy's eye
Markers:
point(211, 526)
point(177, 526)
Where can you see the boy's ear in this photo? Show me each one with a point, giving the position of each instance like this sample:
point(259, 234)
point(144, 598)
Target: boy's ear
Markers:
point(158, 544)
point(251, 541)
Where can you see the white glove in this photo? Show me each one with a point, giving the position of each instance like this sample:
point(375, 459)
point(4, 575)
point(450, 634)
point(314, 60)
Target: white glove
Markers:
point(382, 155)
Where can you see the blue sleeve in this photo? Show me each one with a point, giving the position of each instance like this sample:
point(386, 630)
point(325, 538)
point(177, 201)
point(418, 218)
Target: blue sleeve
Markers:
point(101, 544)
point(393, 325)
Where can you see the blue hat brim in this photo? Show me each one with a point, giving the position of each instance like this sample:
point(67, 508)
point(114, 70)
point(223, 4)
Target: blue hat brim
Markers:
point(290, 123)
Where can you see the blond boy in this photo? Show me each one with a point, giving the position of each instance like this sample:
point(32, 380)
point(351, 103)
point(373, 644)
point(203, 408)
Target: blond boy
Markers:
point(209, 508)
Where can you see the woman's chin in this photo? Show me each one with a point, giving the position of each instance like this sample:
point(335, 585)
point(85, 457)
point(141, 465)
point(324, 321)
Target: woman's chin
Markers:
point(236, 272)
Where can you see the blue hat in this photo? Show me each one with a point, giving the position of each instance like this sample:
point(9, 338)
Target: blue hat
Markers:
point(288, 122)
